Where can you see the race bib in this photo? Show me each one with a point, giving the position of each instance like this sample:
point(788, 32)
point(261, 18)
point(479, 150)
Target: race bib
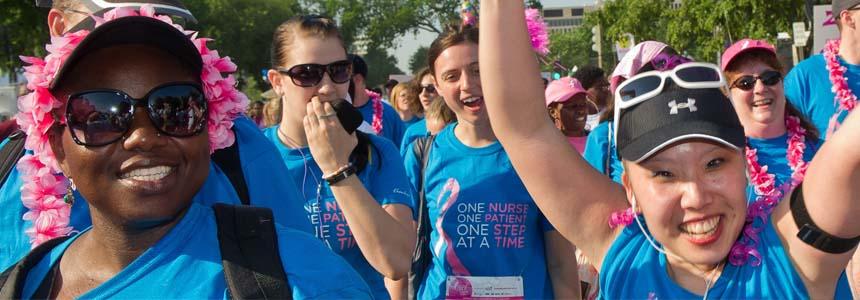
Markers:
point(474, 287)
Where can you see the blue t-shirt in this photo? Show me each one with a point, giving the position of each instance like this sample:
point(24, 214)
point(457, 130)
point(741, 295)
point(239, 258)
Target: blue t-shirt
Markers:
point(633, 269)
point(484, 221)
point(771, 153)
point(392, 127)
point(598, 147)
point(809, 89)
point(385, 180)
point(412, 122)
point(415, 131)
point(186, 264)
point(269, 185)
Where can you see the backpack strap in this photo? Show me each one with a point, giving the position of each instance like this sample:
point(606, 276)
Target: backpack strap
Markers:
point(229, 162)
point(12, 280)
point(11, 153)
point(421, 256)
point(249, 253)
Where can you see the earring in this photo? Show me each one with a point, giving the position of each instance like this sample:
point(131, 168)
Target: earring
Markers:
point(158, 134)
point(69, 198)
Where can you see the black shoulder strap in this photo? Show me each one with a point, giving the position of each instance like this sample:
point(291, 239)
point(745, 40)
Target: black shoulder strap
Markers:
point(12, 280)
point(229, 161)
point(249, 253)
point(421, 255)
point(11, 153)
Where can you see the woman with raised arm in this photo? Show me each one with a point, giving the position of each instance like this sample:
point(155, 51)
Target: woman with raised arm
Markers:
point(355, 190)
point(487, 233)
point(127, 115)
point(682, 146)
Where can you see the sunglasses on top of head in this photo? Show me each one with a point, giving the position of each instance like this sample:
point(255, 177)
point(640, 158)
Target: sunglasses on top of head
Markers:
point(103, 116)
point(309, 75)
point(645, 86)
point(747, 82)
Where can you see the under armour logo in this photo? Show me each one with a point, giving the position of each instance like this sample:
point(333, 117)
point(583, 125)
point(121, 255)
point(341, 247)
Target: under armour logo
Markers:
point(691, 105)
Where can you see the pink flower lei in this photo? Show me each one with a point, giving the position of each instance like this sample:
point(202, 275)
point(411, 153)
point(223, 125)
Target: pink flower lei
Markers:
point(768, 194)
point(44, 183)
point(376, 99)
point(847, 100)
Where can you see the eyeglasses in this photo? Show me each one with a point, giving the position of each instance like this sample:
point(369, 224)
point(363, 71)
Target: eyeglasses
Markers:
point(309, 75)
point(645, 86)
point(101, 117)
point(747, 82)
point(428, 88)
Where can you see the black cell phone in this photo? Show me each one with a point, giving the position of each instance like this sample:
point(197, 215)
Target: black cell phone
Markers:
point(348, 115)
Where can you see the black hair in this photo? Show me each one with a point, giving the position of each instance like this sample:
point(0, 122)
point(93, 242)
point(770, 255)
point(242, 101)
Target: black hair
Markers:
point(359, 66)
point(589, 75)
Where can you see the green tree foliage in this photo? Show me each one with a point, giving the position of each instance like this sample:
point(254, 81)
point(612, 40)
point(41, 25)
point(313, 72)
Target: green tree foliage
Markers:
point(418, 59)
point(242, 29)
point(23, 31)
point(699, 28)
point(380, 65)
point(534, 4)
point(572, 48)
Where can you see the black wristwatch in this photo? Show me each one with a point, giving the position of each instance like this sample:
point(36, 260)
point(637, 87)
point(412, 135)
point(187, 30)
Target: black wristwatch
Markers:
point(340, 176)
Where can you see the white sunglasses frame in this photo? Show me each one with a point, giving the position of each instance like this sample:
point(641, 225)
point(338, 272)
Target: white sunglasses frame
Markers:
point(619, 104)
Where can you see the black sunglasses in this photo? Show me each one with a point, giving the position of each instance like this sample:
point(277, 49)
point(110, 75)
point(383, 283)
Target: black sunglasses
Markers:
point(747, 82)
point(308, 75)
point(428, 88)
point(101, 117)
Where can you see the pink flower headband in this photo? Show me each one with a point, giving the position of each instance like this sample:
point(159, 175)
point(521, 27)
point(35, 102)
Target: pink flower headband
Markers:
point(44, 184)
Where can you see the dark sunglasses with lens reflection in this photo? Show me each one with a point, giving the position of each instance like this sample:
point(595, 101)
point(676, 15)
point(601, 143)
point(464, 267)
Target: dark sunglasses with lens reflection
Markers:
point(309, 75)
point(747, 82)
point(428, 88)
point(103, 116)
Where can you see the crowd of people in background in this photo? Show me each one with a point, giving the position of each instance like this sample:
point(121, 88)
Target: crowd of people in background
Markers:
point(135, 164)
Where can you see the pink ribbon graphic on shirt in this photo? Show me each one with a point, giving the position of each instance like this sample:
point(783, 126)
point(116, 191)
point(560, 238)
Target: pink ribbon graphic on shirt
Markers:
point(457, 266)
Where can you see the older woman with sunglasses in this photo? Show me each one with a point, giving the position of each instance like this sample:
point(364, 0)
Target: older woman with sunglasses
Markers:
point(354, 185)
point(778, 136)
point(128, 119)
point(682, 148)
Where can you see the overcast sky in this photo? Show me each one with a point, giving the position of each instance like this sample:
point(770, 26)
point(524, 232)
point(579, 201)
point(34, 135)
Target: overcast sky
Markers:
point(407, 45)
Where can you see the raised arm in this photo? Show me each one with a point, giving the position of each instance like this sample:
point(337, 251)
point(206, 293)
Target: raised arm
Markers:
point(831, 192)
point(574, 197)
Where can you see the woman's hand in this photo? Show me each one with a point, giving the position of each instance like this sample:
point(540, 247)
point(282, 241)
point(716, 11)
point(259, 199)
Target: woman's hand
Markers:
point(330, 144)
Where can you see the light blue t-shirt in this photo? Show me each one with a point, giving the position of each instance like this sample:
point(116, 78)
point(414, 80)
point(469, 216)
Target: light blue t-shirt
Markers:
point(809, 89)
point(415, 131)
point(598, 147)
point(484, 221)
point(771, 153)
point(633, 269)
point(392, 127)
point(412, 122)
point(269, 185)
point(385, 180)
point(186, 264)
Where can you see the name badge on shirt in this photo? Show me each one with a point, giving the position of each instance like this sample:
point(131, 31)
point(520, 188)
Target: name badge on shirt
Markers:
point(475, 287)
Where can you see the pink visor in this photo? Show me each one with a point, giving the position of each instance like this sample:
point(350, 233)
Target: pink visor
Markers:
point(742, 46)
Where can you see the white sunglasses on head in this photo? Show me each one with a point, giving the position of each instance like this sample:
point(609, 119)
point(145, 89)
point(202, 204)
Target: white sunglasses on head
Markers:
point(643, 87)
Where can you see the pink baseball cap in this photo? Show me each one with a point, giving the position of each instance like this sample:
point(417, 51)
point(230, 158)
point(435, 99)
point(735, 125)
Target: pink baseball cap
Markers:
point(562, 90)
point(742, 46)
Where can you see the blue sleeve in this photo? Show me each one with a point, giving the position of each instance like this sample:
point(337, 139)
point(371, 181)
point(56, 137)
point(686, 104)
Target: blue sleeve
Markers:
point(315, 272)
point(268, 180)
point(390, 185)
point(796, 89)
point(413, 172)
point(595, 147)
point(394, 123)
